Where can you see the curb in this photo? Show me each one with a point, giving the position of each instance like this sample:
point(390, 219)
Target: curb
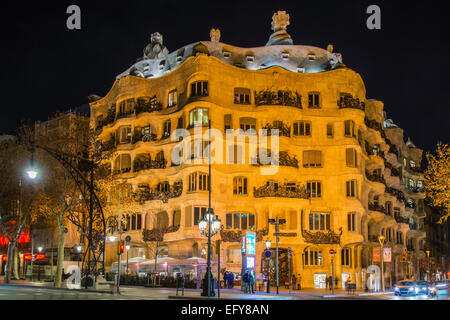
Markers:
point(53, 288)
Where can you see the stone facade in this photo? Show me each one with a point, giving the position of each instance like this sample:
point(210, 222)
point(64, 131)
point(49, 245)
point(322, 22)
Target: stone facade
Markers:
point(357, 186)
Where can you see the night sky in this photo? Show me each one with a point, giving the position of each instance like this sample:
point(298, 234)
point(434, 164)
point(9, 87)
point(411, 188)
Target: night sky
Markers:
point(46, 67)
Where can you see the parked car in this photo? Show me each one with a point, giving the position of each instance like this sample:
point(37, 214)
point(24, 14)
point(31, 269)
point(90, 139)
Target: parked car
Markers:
point(438, 288)
point(405, 288)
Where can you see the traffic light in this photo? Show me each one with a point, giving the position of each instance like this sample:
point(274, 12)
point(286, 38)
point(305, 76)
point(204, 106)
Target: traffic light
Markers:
point(121, 247)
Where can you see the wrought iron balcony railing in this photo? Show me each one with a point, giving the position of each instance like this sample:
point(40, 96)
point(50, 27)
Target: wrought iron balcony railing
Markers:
point(283, 191)
point(282, 98)
point(349, 102)
point(139, 165)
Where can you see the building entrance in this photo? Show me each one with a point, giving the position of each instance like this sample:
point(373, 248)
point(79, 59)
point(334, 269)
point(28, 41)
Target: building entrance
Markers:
point(320, 280)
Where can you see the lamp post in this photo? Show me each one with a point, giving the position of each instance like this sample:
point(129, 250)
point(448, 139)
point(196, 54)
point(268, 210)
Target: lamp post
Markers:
point(277, 223)
point(113, 238)
point(381, 240)
point(332, 253)
point(209, 226)
point(268, 244)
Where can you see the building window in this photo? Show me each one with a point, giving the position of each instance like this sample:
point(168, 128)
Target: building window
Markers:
point(351, 157)
point(351, 188)
point(240, 221)
point(314, 189)
point(330, 131)
point(313, 257)
point(351, 221)
point(167, 129)
point(346, 257)
point(239, 185)
point(199, 89)
point(241, 96)
point(246, 123)
point(313, 100)
point(122, 163)
point(319, 221)
point(199, 213)
point(302, 128)
point(134, 221)
point(172, 98)
point(176, 221)
point(198, 116)
point(349, 128)
point(419, 185)
point(227, 122)
point(125, 134)
point(201, 184)
point(388, 206)
point(312, 158)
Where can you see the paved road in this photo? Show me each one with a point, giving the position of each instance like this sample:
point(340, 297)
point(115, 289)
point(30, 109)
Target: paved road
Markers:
point(133, 293)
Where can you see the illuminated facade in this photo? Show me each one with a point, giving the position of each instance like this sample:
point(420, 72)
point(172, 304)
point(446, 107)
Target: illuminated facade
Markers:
point(345, 174)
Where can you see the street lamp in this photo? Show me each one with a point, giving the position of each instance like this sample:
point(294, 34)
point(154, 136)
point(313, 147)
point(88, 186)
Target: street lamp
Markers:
point(31, 171)
point(40, 249)
point(277, 223)
point(209, 226)
point(268, 244)
point(381, 240)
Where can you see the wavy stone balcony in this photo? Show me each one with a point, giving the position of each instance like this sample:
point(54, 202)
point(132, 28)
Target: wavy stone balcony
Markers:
point(396, 193)
point(377, 207)
point(281, 98)
point(158, 233)
point(236, 235)
point(375, 178)
point(281, 191)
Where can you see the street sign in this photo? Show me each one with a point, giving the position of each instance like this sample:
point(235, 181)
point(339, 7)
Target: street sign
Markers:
point(267, 253)
point(332, 252)
point(127, 238)
point(387, 255)
point(289, 252)
point(376, 255)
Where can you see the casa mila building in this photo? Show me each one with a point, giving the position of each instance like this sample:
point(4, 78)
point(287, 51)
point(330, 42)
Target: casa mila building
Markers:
point(344, 174)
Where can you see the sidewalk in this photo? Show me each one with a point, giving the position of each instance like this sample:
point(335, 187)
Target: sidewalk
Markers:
point(235, 293)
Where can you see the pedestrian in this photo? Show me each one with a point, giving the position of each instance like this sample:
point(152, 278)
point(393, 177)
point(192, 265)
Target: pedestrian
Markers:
point(225, 276)
point(327, 283)
point(299, 279)
point(252, 282)
point(246, 280)
point(335, 282)
point(286, 282)
point(294, 281)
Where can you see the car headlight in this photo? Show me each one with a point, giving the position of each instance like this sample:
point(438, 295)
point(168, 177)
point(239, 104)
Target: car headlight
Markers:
point(396, 288)
point(424, 288)
point(411, 289)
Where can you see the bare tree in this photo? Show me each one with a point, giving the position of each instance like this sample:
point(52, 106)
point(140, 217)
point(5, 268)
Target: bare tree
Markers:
point(16, 200)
